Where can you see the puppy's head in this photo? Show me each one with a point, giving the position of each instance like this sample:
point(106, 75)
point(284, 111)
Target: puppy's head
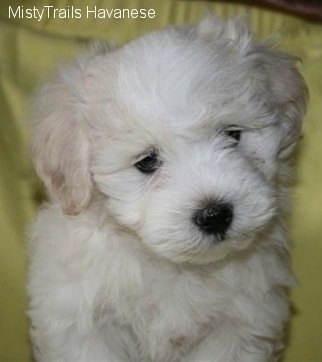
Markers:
point(182, 133)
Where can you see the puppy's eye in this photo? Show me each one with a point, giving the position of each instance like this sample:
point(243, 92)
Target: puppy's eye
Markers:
point(149, 163)
point(234, 133)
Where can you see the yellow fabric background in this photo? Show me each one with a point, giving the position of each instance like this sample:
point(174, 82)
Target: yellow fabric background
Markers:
point(30, 50)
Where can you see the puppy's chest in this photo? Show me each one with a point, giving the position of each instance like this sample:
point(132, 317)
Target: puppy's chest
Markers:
point(171, 313)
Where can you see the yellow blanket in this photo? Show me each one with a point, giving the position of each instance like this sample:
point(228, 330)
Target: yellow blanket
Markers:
point(31, 47)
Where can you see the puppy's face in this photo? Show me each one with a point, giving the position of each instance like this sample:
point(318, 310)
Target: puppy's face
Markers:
point(183, 134)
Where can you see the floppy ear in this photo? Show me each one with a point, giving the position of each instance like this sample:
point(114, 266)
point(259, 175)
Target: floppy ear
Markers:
point(286, 96)
point(60, 141)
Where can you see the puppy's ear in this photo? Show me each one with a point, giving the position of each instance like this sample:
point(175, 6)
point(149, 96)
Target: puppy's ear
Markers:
point(285, 94)
point(60, 141)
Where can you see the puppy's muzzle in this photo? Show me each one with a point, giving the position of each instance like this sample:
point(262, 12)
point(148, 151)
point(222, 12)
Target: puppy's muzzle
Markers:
point(214, 219)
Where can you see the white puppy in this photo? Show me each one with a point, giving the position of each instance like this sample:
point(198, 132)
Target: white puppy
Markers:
point(167, 165)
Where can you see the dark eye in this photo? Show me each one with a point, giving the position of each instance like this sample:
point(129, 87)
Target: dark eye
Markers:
point(235, 134)
point(149, 163)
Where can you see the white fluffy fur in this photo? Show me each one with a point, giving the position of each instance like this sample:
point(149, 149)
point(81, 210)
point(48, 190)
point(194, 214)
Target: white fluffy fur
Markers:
point(118, 271)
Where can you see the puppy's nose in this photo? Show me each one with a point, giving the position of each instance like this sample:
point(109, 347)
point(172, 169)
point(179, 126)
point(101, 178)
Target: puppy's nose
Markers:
point(215, 218)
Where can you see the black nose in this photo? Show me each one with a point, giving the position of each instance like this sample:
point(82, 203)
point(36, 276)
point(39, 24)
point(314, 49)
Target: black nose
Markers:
point(215, 218)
